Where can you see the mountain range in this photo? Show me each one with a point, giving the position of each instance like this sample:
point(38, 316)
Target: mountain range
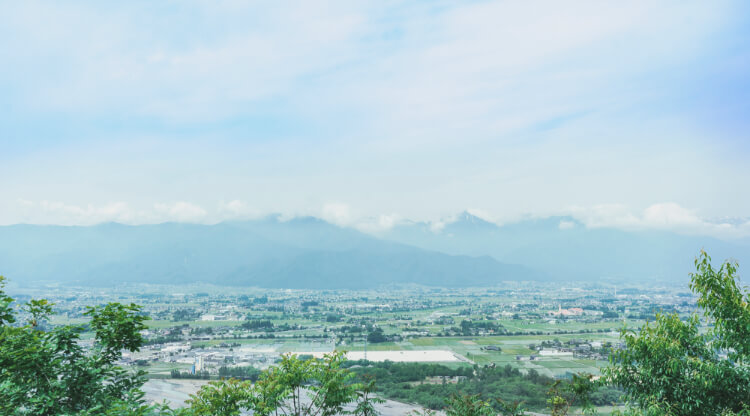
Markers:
point(563, 248)
point(301, 253)
point(308, 252)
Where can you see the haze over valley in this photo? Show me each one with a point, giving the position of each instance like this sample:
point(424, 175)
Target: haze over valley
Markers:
point(307, 252)
point(375, 208)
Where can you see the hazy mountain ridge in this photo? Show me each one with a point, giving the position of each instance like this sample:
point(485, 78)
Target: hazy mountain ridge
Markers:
point(564, 248)
point(308, 252)
point(300, 253)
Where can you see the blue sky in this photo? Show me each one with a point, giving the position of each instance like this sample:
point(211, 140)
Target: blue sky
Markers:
point(630, 114)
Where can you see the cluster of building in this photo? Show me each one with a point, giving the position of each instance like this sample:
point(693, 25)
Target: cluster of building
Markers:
point(198, 359)
point(567, 312)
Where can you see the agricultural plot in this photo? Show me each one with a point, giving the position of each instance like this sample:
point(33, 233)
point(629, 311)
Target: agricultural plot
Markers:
point(500, 326)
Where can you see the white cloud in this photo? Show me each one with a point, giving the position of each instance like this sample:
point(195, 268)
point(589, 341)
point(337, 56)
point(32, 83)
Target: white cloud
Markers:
point(378, 224)
point(113, 63)
point(235, 206)
point(61, 213)
point(448, 69)
point(667, 216)
point(670, 214)
point(606, 215)
point(25, 202)
point(482, 214)
point(180, 211)
point(388, 221)
point(437, 226)
point(236, 209)
point(337, 213)
point(487, 103)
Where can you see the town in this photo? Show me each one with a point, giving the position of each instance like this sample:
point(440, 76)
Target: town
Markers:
point(202, 332)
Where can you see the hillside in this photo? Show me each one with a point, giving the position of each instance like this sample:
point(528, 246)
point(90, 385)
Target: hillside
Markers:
point(566, 249)
point(301, 253)
point(311, 253)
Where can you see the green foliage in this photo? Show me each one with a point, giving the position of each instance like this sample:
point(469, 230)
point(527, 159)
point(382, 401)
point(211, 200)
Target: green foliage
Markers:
point(185, 315)
point(468, 405)
point(331, 390)
point(116, 327)
point(726, 304)
point(425, 412)
point(221, 398)
point(376, 335)
point(39, 309)
point(469, 327)
point(268, 393)
point(366, 401)
point(243, 373)
point(198, 375)
point(257, 324)
point(671, 367)
point(49, 372)
point(6, 312)
point(281, 390)
point(474, 405)
point(409, 382)
point(511, 409)
point(576, 393)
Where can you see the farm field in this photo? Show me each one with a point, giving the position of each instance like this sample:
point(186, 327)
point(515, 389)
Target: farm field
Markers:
point(543, 330)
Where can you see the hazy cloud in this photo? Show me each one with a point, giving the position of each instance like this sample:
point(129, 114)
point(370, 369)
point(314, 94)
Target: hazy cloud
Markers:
point(378, 224)
point(236, 209)
point(56, 212)
point(180, 211)
point(337, 213)
point(661, 216)
point(403, 110)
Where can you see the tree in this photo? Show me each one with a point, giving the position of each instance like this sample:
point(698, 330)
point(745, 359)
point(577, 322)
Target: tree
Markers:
point(221, 398)
point(376, 335)
point(282, 390)
point(242, 373)
point(511, 408)
point(366, 400)
point(48, 372)
point(474, 405)
point(672, 367)
point(468, 405)
point(575, 393)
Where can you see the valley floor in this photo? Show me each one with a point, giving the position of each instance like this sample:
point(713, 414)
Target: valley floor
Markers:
point(176, 392)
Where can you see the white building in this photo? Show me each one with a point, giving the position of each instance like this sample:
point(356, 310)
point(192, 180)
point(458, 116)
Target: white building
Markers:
point(555, 353)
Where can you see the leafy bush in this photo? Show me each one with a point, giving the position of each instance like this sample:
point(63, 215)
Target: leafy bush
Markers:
point(48, 372)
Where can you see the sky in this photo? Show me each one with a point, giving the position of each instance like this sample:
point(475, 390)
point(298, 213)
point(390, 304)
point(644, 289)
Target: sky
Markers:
point(623, 114)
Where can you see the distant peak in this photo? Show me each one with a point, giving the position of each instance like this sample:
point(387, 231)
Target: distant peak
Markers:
point(467, 219)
